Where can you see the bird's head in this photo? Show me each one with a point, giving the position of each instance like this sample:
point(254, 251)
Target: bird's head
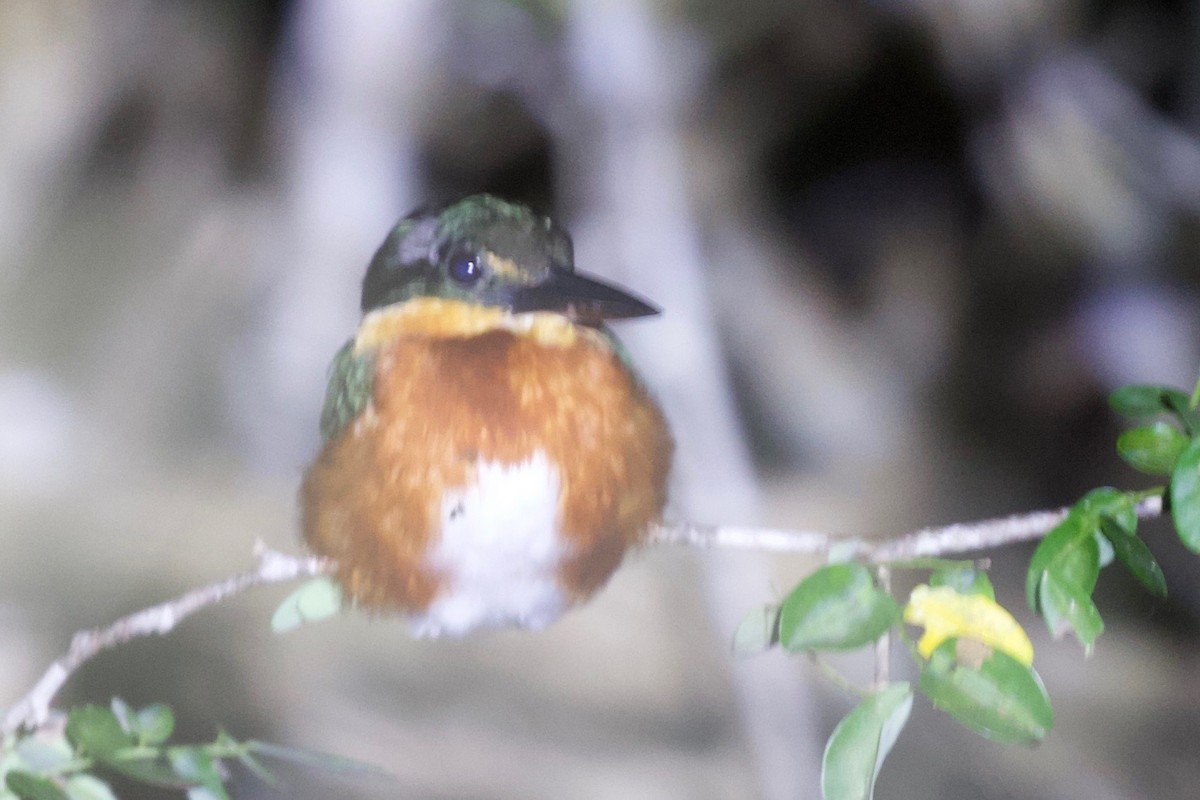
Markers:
point(488, 251)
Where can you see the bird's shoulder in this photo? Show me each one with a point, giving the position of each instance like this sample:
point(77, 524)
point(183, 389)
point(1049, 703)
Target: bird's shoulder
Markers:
point(351, 381)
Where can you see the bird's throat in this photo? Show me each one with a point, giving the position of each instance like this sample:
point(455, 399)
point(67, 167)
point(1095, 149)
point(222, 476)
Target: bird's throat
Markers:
point(441, 318)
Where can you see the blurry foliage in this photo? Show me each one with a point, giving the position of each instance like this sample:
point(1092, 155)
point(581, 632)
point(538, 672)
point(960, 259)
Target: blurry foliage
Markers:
point(71, 763)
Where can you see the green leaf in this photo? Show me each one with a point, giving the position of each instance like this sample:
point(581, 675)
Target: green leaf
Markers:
point(1112, 503)
point(861, 742)
point(88, 787)
point(757, 632)
point(1146, 401)
point(315, 600)
point(195, 765)
point(148, 726)
point(964, 580)
point(1136, 557)
point(1067, 607)
point(838, 607)
point(1185, 496)
point(44, 753)
point(1180, 405)
point(1153, 449)
point(94, 730)
point(153, 724)
point(988, 691)
point(1064, 568)
point(27, 786)
point(1069, 551)
point(9, 762)
point(153, 770)
point(1108, 504)
point(1062, 535)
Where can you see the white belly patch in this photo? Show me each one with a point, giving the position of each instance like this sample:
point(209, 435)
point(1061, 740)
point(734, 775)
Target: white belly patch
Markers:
point(499, 551)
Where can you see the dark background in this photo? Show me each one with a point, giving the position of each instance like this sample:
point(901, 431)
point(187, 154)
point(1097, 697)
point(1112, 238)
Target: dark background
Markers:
point(904, 249)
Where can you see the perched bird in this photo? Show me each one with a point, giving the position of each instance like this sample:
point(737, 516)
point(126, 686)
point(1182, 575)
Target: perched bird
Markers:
point(488, 455)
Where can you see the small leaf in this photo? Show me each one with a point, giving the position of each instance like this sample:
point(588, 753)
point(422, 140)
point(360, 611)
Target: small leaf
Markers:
point(1152, 449)
point(1112, 503)
point(1069, 551)
point(861, 742)
point(1048, 548)
point(154, 770)
point(43, 752)
point(838, 607)
point(314, 601)
point(987, 690)
point(1136, 556)
point(1097, 506)
point(153, 724)
point(94, 730)
point(10, 760)
point(1067, 607)
point(1146, 401)
point(964, 580)
point(1185, 496)
point(757, 632)
point(88, 787)
point(1181, 406)
point(195, 765)
point(27, 786)
point(1064, 568)
point(946, 614)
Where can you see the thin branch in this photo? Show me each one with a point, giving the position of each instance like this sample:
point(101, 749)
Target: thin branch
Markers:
point(33, 710)
point(962, 537)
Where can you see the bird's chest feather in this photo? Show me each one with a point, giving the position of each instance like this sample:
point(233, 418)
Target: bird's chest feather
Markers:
point(498, 550)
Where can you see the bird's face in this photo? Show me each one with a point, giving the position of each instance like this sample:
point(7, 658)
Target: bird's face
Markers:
point(488, 251)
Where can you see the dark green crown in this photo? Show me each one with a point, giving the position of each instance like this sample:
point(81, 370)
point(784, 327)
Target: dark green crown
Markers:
point(485, 250)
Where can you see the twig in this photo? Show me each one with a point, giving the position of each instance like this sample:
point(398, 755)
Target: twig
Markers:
point(33, 710)
point(962, 537)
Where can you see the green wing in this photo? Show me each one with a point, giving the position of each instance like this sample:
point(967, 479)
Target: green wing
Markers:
point(350, 382)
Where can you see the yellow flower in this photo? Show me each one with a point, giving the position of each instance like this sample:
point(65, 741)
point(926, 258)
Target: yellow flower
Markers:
point(944, 613)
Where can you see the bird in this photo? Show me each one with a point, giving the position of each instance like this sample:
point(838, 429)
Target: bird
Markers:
point(488, 453)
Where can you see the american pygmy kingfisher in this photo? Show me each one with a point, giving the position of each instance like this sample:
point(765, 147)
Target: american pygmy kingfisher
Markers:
point(488, 455)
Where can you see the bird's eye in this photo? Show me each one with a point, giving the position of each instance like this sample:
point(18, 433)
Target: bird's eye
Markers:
point(465, 268)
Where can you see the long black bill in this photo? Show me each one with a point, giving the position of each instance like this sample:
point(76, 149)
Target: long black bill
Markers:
point(580, 297)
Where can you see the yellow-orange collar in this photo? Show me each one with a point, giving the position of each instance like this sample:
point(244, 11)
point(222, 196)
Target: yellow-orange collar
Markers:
point(443, 318)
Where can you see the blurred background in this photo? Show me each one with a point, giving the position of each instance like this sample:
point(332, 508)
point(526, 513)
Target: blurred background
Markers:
point(904, 248)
